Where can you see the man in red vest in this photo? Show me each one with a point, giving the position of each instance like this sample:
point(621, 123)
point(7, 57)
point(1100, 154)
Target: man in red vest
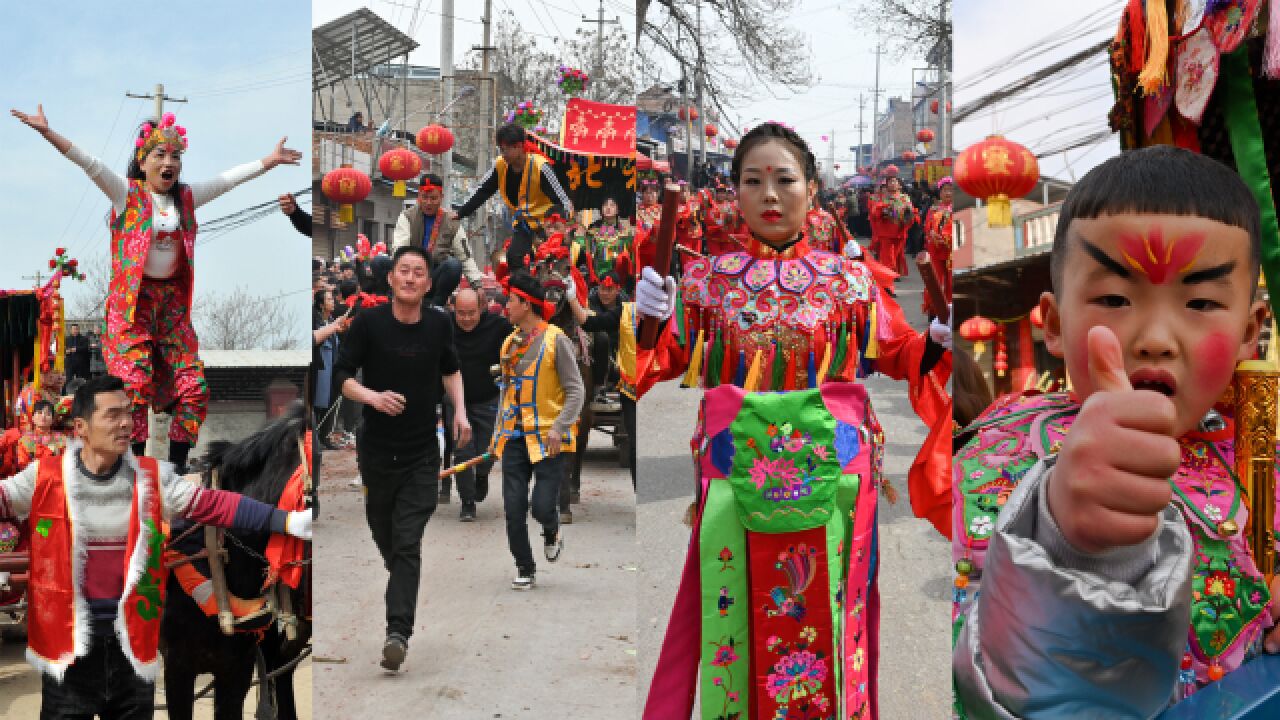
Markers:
point(97, 519)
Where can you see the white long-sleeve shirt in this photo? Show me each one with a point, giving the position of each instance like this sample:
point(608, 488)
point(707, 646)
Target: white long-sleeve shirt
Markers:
point(162, 258)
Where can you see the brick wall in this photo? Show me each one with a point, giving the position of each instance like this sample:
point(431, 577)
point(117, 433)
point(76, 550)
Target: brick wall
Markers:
point(249, 384)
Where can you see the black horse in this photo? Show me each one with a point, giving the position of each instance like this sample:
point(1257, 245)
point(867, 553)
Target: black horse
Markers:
point(192, 643)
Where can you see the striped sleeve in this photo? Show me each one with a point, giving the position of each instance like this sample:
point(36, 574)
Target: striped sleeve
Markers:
point(219, 508)
point(551, 186)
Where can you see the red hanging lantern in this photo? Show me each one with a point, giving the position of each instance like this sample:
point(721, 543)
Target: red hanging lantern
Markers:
point(925, 136)
point(978, 330)
point(399, 165)
point(1002, 354)
point(997, 170)
point(890, 171)
point(909, 155)
point(933, 107)
point(346, 186)
point(435, 139)
point(1037, 317)
point(710, 130)
point(687, 113)
point(730, 143)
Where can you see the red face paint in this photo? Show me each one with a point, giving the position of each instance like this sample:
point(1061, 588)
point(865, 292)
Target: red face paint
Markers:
point(1150, 255)
point(1215, 359)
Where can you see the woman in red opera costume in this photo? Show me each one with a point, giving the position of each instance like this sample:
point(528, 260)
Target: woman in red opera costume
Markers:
point(938, 233)
point(153, 346)
point(777, 608)
point(891, 215)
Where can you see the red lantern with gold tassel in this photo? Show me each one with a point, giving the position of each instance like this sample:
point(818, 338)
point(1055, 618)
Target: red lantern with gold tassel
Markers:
point(925, 136)
point(399, 165)
point(711, 130)
point(435, 139)
point(730, 143)
point(346, 186)
point(1002, 353)
point(997, 170)
point(909, 155)
point(978, 330)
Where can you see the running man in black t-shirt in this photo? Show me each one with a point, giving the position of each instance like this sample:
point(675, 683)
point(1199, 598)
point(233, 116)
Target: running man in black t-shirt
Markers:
point(405, 351)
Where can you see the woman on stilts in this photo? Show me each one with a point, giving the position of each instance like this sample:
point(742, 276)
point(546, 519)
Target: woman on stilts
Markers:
point(776, 614)
point(150, 342)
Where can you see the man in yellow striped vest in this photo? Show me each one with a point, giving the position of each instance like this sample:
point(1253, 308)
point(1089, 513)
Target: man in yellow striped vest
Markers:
point(542, 395)
point(525, 180)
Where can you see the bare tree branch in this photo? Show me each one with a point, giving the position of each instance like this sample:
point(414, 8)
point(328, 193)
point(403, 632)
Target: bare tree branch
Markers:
point(238, 320)
point(910, 27)
point(746, 45)
point(90, 297)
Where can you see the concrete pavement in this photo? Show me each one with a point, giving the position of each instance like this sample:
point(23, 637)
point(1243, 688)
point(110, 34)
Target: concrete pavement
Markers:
point(480, 649)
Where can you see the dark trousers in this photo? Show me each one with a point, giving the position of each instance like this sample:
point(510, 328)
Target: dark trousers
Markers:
point(325, 417)
point(629, 424)
point(516, 473)
point(445, 278)
point(101, 684)
point(521, 248)
point(473, 483)
point(399, 500)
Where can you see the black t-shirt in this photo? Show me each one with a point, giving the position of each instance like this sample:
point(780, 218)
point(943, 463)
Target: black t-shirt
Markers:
point(408, 359)
point(477, 351)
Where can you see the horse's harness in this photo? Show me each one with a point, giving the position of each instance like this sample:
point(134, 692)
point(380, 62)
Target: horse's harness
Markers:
point(277, 603)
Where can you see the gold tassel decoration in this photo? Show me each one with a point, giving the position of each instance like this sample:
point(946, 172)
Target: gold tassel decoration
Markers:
point(752, 382)
point(1155, 73)
point(60, 335)
point(826, 363)
point(695, 364)
point(873, 348)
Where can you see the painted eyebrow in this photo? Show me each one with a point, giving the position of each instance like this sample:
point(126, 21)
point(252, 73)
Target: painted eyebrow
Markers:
point(1209, 274)
point(1104, 259)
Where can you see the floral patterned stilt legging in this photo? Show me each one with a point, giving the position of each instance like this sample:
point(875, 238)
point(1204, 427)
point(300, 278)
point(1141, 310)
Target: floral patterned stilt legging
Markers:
point(155, 356)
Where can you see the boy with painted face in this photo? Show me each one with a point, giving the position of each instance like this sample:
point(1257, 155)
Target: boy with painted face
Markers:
point(1106, 524)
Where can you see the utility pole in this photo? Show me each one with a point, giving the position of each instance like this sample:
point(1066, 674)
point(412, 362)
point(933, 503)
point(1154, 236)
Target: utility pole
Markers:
point(489, 113)
point(862, 103)
point(446, 76)
point(831, 158)
point(600, 22)
point(697, 89)
point(875, 109)
point(159, 97)
point(944, 83)
point(38, 277)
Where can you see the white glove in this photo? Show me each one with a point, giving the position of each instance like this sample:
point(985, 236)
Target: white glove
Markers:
point(940, 333)
point(655, 295)
point(298, 524)
point(570, 290)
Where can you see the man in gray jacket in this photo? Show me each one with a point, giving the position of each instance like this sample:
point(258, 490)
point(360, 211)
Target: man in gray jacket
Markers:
point(424, 224)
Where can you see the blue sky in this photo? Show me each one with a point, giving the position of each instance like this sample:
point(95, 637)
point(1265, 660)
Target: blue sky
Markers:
point(988, 31)
point(245, 69)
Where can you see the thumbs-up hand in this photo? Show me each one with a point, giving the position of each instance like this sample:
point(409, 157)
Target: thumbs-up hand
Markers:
point(1111, 480)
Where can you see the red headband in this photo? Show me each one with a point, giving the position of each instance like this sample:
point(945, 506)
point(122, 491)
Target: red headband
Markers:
point(428, 187)
point(532, 148)
point(555, 217)
point(608, 282)
point(547, 309)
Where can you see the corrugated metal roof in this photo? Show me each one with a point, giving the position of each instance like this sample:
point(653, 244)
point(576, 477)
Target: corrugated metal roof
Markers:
point(255, 358)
